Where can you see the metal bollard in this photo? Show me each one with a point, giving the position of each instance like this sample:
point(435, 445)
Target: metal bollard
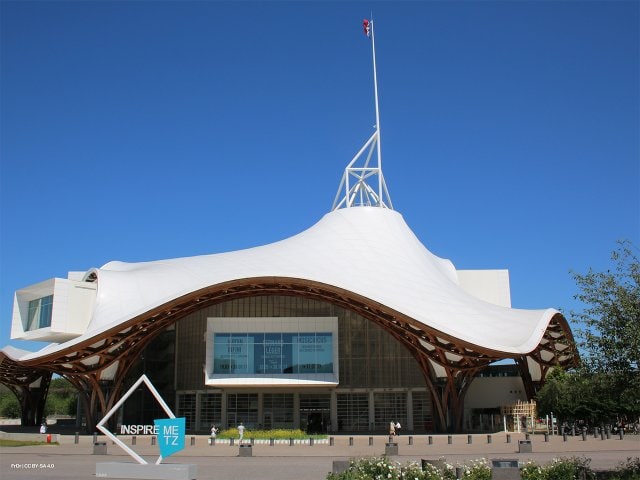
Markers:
point(77, 438)
point(410, 440)
point(291, 442)
point(311, 442)
point(621, 434)
point(331, 440)
point(449, 439)
point(564, 437)
point(508, 438)
point(370, 441)
point(546, 437)
point(351, 441)
point(595, 432)
point(602, 434)
point(584, 434)
point(153, 440)
point(193, 441)
point(231, 442)
point(469, 439)
point(95, 437)
point(430, 440)
point(272, 442)
point(133, 440)
point(489, 439)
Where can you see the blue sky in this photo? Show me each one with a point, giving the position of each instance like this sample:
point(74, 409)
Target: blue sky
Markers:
point(147, 130)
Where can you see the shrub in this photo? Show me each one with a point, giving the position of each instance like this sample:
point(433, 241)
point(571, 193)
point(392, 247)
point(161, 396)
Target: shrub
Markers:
point(569, 469)
point(629, 469)
point(279, 434)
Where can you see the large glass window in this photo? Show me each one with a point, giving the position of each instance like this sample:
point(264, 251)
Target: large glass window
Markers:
point(273, 353)
point(210, 410)
point(242, 407)
point(277, 410)
point(353, 412)
point(187, 409)
point(390, 407)
point(422, 414)
point(39, 314)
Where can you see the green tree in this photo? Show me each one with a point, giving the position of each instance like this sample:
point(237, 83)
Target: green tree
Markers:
point(610, 339)
point(607, 383)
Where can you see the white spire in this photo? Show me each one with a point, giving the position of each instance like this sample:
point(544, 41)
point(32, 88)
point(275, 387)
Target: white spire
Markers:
point(358, 186)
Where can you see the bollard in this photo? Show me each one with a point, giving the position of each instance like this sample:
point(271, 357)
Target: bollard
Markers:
point(469, 439)
point(410, 440)
point(193, 441)
point(133, 440)
point(271, 442)
point(459, 472)
point(77, 438)
point(527, 436)
point(430, 440)
point(489, 439)
point(370, 441)
point(608, 433)
point(508, 438)
point(602, 434)
point(449, 439)
point(546, 437)
point(621, 434)
point(331, 441)
point(153, 440)
point(564, 437)
point(311, 442)
point(351, 441)
point(231, 442)
point(291, 442)
point(584, 434)
point(95, 437)
point(595, 432)
point(573, 430)
point(252, 441)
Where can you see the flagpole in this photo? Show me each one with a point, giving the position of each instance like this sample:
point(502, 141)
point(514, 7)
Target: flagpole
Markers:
point(375, 90)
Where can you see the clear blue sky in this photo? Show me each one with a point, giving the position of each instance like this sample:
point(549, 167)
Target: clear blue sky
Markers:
point(148, 130)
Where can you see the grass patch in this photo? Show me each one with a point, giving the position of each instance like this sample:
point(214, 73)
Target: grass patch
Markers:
point(279, 434)
point(22, 443)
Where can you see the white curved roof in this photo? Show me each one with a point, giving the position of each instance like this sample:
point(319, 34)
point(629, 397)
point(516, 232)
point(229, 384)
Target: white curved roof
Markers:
point(369, 251)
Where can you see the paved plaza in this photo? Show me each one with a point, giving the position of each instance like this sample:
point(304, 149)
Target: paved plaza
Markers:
point(72, 461)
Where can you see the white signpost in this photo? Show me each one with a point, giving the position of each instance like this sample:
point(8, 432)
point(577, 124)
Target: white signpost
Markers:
point(144, 469)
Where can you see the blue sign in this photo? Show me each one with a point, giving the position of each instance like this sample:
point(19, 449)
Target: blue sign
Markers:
point(171, 433)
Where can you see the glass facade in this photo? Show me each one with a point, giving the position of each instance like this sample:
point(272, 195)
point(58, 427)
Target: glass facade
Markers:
point(273, 353)
point(210, 410)
point(39, 313)
point(379, 379)
point(242, 407)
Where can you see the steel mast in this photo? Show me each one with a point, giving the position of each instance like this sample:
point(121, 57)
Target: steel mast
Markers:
point(357, 187)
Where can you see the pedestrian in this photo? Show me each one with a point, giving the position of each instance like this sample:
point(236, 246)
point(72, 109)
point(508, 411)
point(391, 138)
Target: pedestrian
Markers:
point(241, 432)
point(398, 427)
point(214, 431)
point(43, 427)
point(392, 428)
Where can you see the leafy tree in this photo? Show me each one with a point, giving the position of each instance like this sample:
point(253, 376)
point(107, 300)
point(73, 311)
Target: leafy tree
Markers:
point(610, 341)
point(607, 383)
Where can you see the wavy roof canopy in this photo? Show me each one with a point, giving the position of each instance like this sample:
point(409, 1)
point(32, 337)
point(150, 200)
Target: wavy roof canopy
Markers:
point(366, 250)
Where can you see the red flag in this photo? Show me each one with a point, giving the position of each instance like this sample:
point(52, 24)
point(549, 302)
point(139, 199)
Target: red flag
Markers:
point(366, 27)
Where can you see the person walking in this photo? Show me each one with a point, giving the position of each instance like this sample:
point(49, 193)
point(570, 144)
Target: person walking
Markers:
point(214, 431)
point(392, 428)
point(241, 432)
point(398, 427)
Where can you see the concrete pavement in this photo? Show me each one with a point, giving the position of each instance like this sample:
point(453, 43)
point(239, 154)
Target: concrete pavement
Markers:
point(72, 461)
